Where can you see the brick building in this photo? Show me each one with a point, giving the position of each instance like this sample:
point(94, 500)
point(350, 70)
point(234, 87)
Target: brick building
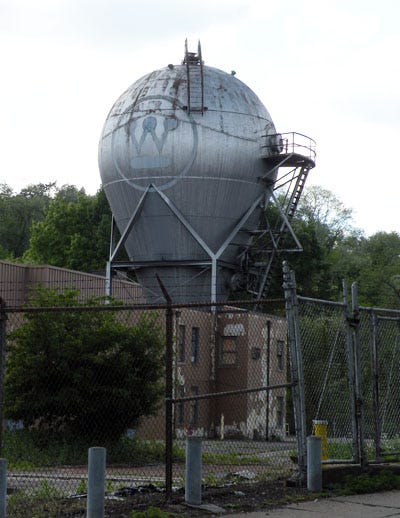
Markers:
point(235, 351)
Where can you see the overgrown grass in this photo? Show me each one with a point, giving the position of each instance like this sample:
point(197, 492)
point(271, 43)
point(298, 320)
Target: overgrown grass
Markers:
point(26, 450)
point(339, 449)
point(226, 459)
point(385, 480)
point(43, 501)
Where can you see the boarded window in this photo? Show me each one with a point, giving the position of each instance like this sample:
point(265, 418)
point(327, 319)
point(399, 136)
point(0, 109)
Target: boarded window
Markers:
point(181, 343)
point(194, 345)
point(280, 406)
point(228, 354)
point(280, 355)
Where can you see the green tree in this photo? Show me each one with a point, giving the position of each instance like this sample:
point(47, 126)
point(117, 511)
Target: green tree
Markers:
point(322, 207)
point(74, 232)
point(82, 373)
point(17, 213)
point(374, 263)
point(320, 223)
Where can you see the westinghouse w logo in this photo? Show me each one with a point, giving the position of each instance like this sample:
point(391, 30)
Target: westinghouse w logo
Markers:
point(155, 143)
point(148, 137)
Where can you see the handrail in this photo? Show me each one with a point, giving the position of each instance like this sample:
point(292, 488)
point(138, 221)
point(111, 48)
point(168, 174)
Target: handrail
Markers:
point(289, 142)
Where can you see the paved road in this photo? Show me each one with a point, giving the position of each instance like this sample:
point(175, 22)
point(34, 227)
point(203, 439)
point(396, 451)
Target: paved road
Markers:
point(374, 505)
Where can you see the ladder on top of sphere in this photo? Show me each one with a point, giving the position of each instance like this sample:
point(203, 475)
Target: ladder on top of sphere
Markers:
point(195, 80)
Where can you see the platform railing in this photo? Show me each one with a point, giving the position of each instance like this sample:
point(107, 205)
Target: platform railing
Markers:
point(287, 143)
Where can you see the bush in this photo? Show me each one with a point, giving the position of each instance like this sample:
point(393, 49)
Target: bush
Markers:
point(82, 373)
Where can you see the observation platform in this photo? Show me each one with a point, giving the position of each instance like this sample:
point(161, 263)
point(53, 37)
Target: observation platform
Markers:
point(288, 150)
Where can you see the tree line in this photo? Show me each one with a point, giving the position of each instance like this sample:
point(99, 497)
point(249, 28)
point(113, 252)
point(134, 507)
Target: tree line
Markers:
point(65, 227)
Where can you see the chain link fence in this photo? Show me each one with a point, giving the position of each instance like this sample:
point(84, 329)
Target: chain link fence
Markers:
point(379, 332)
point(345, 363)
point(139, 380)
point(327, 383)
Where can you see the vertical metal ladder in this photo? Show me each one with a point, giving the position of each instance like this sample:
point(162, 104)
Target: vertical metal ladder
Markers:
point(195, 80)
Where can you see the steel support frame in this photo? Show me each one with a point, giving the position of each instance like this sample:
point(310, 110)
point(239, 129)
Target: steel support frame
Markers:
point(214, 257)
point(299, 173)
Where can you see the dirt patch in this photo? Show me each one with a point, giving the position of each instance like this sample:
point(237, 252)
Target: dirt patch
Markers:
point(240, 497)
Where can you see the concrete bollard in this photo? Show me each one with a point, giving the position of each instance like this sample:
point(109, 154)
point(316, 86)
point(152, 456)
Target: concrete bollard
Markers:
point(193, 471)
point(3, 488)
point(96, 482)
point(314, 464)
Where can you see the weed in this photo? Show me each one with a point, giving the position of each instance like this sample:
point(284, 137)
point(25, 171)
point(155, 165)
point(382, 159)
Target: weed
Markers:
point(211, 480)
point(225, 459)
point(152, 512)
point(82, 487)
point(367, 483)
point(109, 486)
point(46, 491)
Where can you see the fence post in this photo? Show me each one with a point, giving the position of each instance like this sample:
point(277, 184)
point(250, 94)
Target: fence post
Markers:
point(96, 482)
point(3, 488)
point(296, 366)
point(351, 375)
point(3, 323)
point(358, 377)
point(169, 323)
point(375, 386)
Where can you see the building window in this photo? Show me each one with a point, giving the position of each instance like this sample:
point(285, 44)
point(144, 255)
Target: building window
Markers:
point(194, 345)
point(280, 405)
point(280, 354)
point(180, 410)
point(181, 343)
point(228, 351)
point(194, 418)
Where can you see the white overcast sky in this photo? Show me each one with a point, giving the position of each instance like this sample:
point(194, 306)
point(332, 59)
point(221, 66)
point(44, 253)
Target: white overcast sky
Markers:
point(326, 68)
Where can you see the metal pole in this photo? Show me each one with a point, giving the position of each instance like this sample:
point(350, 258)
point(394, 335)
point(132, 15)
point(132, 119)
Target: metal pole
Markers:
point(169, 318)
point(351, 374)
point(3, 488)
point(96, 482)
point(296, 366)
point(168, 401)
point(108, 264)
point(268, 380)
point(193, 471)
point(314, 464)
point(375, 386)
point(213, 283)
point(3, 324)
point(358, 376)
point(108, 279)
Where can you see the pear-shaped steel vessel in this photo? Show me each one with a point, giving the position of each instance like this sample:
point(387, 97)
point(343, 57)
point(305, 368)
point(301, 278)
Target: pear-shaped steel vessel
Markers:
point(180, 158)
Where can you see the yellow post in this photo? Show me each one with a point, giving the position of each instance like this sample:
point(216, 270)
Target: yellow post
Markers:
point(320, 429)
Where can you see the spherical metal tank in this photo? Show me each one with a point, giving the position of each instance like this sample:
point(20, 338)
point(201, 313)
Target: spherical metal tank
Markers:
point(180, 157)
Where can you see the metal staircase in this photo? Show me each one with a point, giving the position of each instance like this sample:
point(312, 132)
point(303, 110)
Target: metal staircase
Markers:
point(292, 158)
